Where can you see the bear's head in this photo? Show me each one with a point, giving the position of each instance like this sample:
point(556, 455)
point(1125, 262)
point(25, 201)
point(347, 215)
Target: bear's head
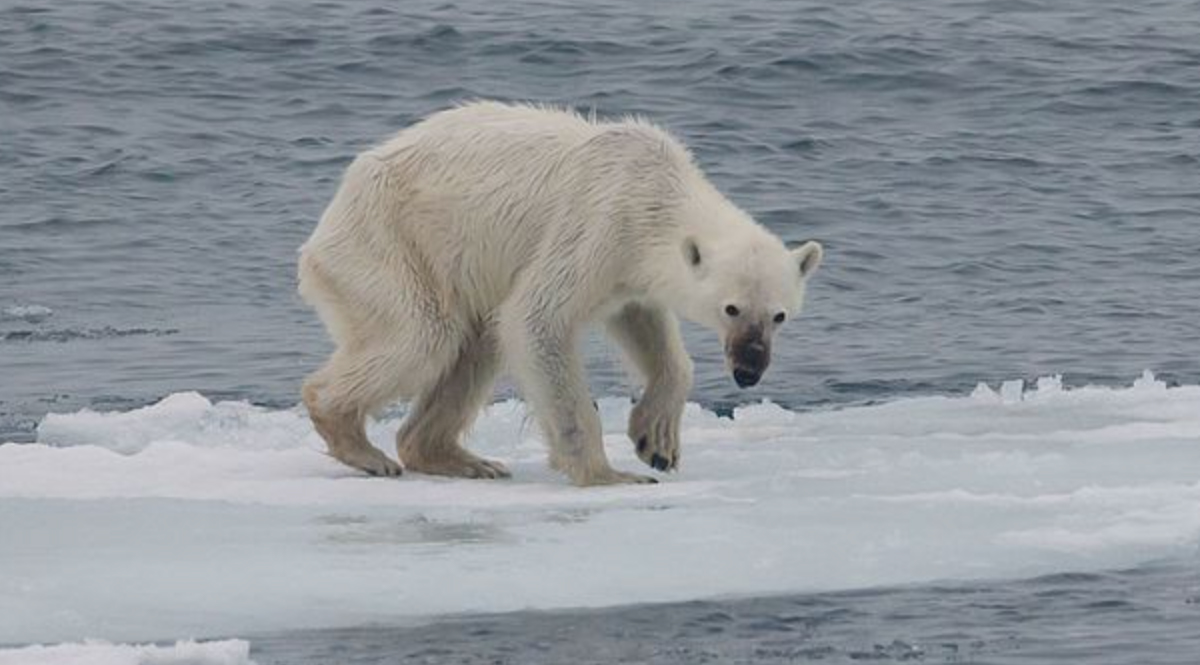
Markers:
point(745, 288)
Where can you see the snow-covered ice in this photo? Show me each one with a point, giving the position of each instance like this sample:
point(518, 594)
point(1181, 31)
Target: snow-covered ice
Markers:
point(192, 519)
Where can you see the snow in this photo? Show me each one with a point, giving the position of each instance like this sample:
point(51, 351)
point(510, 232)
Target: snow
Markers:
point(194, 519)
point(227, 652)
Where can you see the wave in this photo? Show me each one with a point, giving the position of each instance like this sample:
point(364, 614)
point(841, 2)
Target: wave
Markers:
point(96, 652)
point(72, 334)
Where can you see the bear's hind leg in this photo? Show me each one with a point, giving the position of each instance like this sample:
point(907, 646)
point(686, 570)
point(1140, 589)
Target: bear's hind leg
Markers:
point(357, 381)
point(430, 439)
point(339, 396)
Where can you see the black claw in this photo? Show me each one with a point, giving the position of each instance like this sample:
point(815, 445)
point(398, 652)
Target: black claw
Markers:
point(652, 481)
point(641, 445)
point(658, 462)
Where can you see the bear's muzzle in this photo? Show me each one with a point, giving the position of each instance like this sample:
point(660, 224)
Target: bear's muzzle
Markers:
point(749, 354)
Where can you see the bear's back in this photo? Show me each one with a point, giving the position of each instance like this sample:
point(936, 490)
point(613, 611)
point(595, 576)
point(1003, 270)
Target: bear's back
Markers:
point(478, 192)
point(485, 130)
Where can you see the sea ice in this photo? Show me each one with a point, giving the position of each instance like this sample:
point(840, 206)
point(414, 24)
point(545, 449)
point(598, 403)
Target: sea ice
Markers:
point(193, 519)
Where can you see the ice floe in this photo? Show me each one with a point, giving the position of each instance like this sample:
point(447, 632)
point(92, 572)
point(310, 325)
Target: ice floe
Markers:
point(193, 519)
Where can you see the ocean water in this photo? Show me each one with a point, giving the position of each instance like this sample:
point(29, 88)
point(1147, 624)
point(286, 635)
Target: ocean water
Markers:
point(1131, 616)
point(1006, 190)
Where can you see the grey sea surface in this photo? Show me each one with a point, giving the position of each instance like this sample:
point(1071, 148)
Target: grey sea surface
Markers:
point(1148, 616)
point(1005, 189)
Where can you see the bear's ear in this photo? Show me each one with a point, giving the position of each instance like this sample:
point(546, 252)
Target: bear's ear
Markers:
point(808, 254)
point(691, 253)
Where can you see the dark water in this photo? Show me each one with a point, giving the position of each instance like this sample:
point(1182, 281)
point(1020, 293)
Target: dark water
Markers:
point(1148, 616)
point(1005, 189)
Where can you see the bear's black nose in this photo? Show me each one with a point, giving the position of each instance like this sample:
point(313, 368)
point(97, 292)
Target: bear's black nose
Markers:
point(746, 378)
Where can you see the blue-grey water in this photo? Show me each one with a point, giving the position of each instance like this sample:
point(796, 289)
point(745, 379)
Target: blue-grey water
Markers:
point(1005, 189)
point(1147, 616)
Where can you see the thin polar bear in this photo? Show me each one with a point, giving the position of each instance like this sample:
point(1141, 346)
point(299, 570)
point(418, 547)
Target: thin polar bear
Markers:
point(492, 234)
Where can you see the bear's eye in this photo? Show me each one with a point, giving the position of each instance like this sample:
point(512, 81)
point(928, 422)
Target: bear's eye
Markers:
point(780, 317)
point(692, 251)
point(732, 311)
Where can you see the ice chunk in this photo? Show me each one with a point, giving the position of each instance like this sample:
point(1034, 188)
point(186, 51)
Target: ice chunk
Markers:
point(189, 415)
point(1147, 382)
point(984, 393)
point(1012, 392)
point(1049, 386)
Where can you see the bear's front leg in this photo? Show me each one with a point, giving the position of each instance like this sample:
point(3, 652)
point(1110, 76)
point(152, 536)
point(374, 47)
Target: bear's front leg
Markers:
point(541, 351)
point(654, 427)
point(649, 334)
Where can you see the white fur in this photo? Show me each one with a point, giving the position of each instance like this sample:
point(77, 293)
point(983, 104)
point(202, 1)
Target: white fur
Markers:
point(493, 231)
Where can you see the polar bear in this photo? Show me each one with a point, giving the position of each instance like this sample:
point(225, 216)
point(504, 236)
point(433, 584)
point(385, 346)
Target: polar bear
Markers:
point(492, 234)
